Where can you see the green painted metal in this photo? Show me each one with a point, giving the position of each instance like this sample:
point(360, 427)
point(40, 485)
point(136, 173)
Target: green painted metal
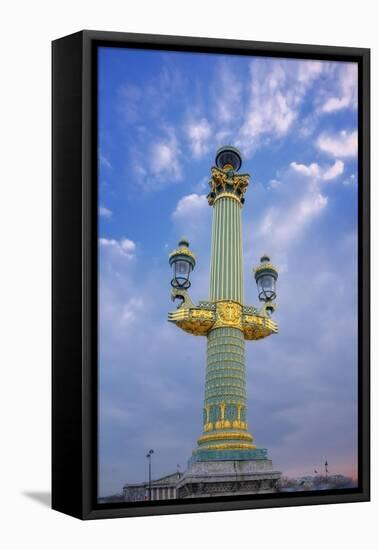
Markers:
point(224, 319)
point(204, 455)
point(226, 277)
point(225, 401)
point(225, 374)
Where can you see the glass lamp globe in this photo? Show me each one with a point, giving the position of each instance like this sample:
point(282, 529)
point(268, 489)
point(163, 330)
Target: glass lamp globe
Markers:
point(228, 158)
point(182, 261)
point(266, 276)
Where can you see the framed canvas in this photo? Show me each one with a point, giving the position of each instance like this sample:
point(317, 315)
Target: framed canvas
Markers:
point(210, 275)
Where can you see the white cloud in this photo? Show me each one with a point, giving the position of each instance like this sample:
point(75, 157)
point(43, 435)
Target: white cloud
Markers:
point(224, 136)
point(310, 170)
point(139, 169)
point(307, 71)
point(314, 170)
point(299, 201)
point(282, 227)
point(227, 94)
point(156, 161)
point(277, 90)
point(201, 185)
point(335, 104)
point(151, 97)
point(273, 183)
point(130, 98)
point(334, 171)
point(104, 161)
point(124, 247)
point(164, 158)
point(105, 212)
point(131, 309)
point(190, 205)
point(346, 93)
point(198, 134)
point(343, 144)
point(351, 180)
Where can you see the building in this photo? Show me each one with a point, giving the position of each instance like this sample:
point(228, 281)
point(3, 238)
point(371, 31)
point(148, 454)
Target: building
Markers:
point(163, 488)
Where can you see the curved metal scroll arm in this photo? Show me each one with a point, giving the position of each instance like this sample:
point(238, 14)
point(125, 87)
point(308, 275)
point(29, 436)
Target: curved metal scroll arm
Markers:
point(183, 297)
point(267, 309)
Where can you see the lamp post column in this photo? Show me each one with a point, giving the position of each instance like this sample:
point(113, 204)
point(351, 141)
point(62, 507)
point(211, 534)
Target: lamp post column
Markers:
point(225, 425)
point(225, 460)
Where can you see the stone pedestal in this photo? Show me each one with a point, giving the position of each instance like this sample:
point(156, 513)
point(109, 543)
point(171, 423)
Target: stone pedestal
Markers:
point(213, 478)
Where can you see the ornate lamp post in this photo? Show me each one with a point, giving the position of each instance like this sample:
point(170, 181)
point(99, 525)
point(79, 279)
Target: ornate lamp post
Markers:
point(227, 323)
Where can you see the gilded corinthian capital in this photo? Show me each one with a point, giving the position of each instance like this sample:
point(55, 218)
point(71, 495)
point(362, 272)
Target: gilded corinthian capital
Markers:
point(226, 183)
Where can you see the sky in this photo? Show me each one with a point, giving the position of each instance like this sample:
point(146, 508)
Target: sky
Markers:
point(162, 116)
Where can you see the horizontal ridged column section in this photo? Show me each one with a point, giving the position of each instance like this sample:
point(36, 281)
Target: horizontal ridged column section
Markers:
point(225, 375)
point(225, 411)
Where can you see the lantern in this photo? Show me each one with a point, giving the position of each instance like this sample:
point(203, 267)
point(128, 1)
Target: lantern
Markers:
point(228, 158)
point(182, 261)
point(266, 276)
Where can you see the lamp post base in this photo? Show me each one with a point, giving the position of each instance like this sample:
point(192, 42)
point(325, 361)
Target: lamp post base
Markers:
point(211, 478)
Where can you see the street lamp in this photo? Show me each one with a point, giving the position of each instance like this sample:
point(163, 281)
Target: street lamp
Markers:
point(266, 276)
point(148, 456)
point(227, 322)
point(182, 261)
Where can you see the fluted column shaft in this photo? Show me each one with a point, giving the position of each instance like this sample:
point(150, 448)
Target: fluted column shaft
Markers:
point(225, 425)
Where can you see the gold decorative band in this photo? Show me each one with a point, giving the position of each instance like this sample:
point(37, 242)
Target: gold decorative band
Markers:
point(223, 301)
point(225, 435)
point(264, 267)
point(222, 424)
point(227, 196)
point(183, 250)
point(229, 446)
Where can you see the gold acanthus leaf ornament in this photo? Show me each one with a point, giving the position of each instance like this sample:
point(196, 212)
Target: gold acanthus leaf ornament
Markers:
point(227, 183)
point(219, 177)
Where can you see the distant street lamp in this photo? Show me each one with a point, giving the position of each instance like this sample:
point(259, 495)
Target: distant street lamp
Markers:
point(148, 456)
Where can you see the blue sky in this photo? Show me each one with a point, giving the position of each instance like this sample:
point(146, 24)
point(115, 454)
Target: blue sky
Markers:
point(162, 116)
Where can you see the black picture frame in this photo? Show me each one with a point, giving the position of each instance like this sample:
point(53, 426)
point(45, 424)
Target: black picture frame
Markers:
point(74, 273)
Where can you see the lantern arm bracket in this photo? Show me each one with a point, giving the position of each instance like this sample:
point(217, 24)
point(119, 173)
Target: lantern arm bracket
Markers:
point(182, 295)
point(197, 320)
point(258, 324)
point(267, 309)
